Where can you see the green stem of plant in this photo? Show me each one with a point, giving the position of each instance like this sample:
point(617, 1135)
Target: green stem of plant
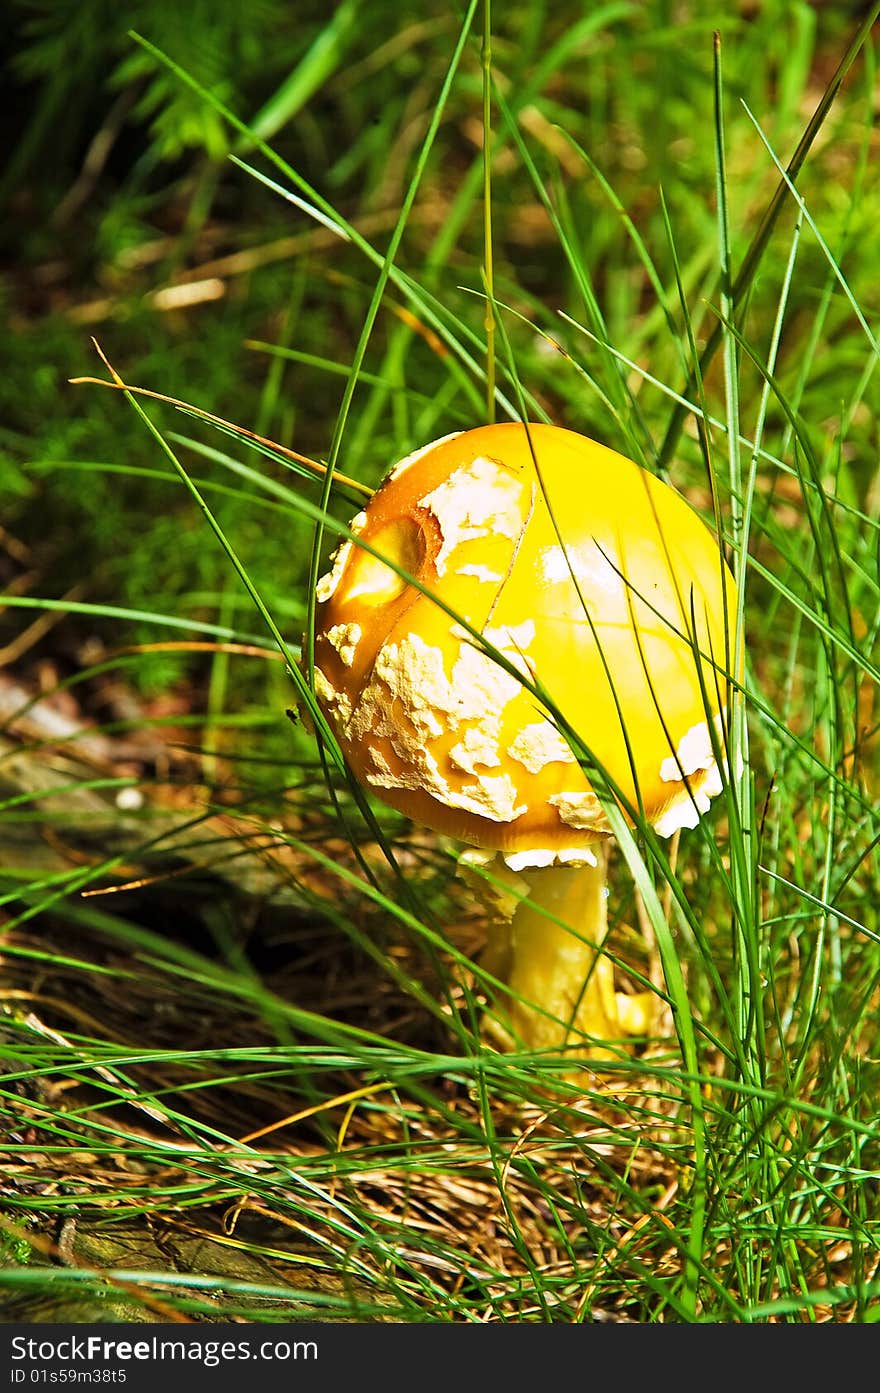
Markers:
point(758, 245)
point(488, 274)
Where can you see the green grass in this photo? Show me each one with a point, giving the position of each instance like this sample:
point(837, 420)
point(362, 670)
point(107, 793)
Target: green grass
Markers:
point(264, 1048)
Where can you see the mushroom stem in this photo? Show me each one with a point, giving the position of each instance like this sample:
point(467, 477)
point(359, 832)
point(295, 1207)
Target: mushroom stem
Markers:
point(551, 956)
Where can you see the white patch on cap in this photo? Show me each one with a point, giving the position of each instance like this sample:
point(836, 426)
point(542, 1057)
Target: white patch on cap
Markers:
point(326, 586)
point(538, 859)
point(479, 856)
point(410, 702)
point(518, 636)
point(345, 639)
point(684, 811)
point(480, 499)
point(477, 747)
point(712, 781)
point(413, 674)
point(491, 796)
point(577, 856)
point(538, 745)
point(532, 860)
point(510, 640)
point(589, 565)
point(480, 689)
point(337, 704)
point(421, 774)
point(410, 460)
point(480, 572)
point(324, 689)
point(581, 810)
point(694, 753)
point(694, 759)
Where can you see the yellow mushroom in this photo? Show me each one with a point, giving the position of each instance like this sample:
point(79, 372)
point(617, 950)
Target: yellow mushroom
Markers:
point(597, 585)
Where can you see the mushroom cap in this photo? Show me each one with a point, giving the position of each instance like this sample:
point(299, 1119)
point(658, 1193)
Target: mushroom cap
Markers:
point(591, 577)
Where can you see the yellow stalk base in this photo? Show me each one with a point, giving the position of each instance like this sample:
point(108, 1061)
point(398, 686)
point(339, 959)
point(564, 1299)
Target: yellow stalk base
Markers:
point(561, 984)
